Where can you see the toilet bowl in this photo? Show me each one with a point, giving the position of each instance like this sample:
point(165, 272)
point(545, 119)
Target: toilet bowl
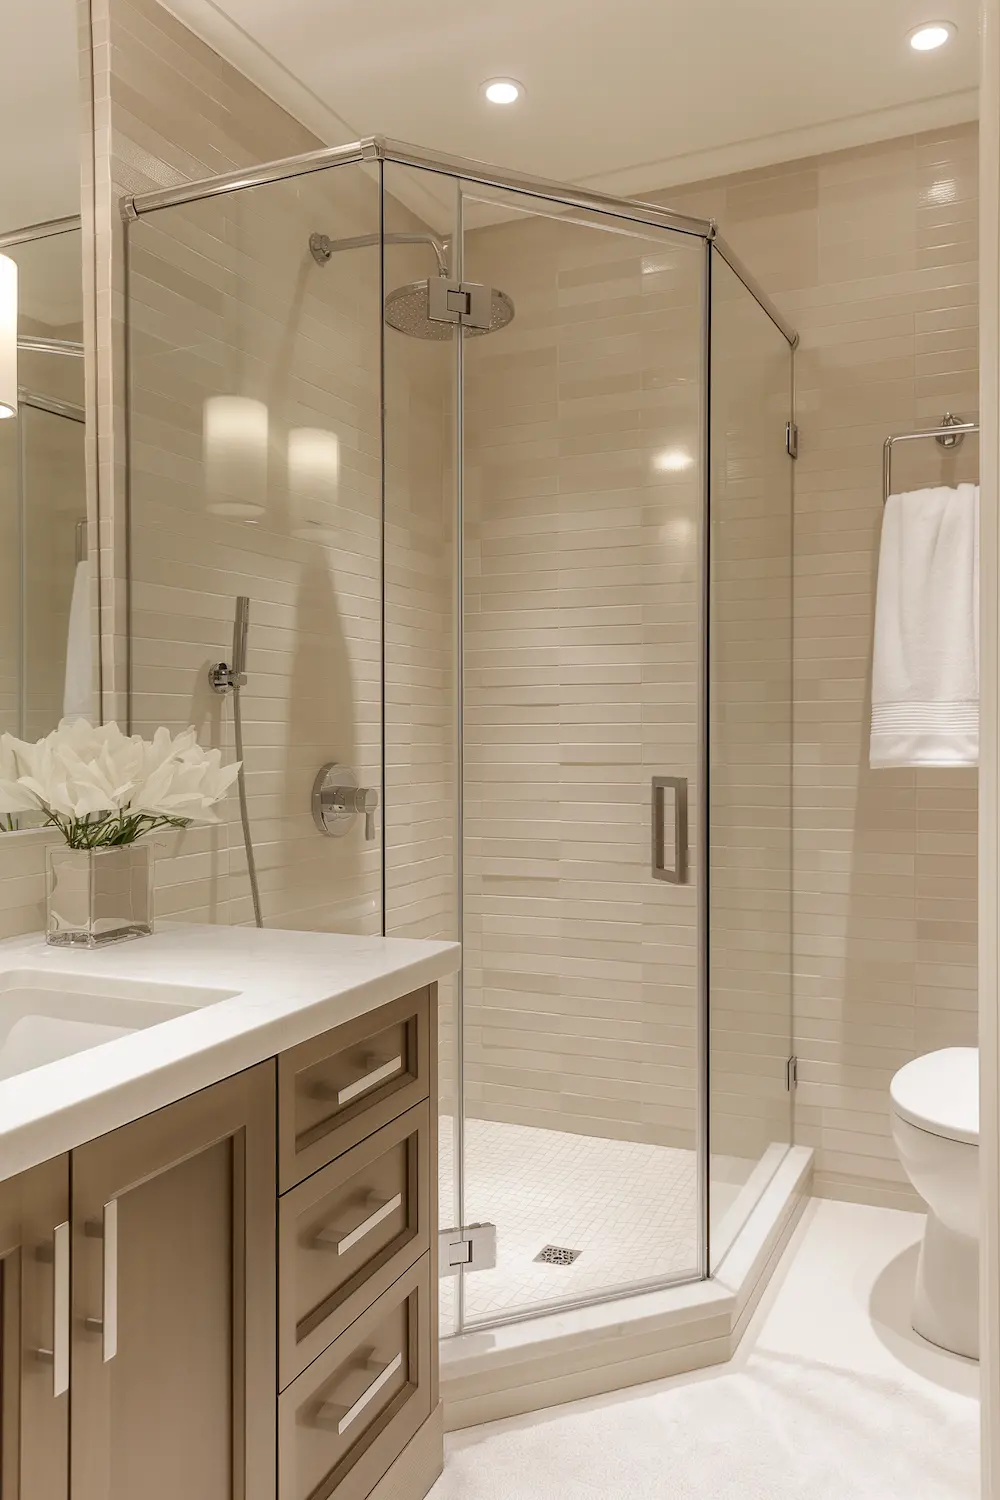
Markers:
point(935, 1124)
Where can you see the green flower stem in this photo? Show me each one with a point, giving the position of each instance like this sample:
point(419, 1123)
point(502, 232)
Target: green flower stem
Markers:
point(109, 830)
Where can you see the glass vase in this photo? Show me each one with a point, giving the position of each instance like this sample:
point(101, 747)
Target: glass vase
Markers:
point(98, 896)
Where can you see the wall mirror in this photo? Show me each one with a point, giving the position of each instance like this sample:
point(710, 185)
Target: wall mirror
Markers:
point(46, 651)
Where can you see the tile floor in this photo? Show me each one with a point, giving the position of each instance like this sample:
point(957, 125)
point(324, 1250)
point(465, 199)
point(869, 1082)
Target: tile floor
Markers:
point(628, 1207)
point(831, 1396)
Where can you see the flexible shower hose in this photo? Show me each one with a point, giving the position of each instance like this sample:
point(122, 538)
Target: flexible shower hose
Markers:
point(241, 783)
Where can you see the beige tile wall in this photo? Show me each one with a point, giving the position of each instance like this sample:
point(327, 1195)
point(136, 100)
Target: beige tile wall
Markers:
point(871, 253)
point(225, 298)
point(581, 639)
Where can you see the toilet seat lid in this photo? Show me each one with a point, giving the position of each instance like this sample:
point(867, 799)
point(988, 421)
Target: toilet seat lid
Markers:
point(939, 1093)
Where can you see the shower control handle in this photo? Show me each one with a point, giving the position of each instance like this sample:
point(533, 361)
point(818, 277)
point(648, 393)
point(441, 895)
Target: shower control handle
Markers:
point(337, 799)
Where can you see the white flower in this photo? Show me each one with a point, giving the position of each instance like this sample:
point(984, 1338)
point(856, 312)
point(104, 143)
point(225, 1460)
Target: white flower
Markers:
point(13, 797)
point(82, 770)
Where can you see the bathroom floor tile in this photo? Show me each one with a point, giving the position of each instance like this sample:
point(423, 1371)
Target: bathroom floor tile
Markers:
point(629, 1208)
point(830, 1395)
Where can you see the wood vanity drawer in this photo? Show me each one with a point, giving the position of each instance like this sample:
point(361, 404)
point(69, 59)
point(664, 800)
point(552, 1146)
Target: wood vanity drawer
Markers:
point(347, 1233)
point(340, 1087)
point(345, 1419)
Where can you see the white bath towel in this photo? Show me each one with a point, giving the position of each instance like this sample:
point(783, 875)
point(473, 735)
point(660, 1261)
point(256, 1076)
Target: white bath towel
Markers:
point(925, 666)
point(78, 693)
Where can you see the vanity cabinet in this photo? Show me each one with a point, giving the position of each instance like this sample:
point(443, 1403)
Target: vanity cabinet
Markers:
point(173, 1301)
point(34, 1333)
point(234, 1297)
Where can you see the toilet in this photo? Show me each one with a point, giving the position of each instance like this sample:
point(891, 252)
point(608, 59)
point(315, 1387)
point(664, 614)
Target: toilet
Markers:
point(935, 1124)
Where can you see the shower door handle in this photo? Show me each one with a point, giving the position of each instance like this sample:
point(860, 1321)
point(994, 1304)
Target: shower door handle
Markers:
point(678, 785)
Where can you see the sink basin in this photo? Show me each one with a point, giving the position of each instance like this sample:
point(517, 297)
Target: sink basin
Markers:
point(45, 1016)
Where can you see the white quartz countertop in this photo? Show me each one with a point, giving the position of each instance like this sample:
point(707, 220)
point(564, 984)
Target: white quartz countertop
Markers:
point(282, 988)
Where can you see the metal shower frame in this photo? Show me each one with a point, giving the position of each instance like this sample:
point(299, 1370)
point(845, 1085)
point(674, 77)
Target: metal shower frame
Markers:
point(377, 148)
point(376, 151)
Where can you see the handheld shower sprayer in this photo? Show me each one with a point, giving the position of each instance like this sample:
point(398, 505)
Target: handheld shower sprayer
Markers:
point(228, 677)
point(241, 628)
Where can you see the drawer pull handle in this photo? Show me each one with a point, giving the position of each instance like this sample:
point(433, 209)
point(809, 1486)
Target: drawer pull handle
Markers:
point(370, 1080)
point(377, 1073)
point(340, 1239)
point(331, 1411)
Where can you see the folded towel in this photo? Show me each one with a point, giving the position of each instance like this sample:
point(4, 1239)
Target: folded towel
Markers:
point(78, 693)
point(925, 665)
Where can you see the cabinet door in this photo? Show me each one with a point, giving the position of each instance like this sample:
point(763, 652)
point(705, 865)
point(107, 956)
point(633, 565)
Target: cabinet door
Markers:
point(174, 1301)
point(34, 1333)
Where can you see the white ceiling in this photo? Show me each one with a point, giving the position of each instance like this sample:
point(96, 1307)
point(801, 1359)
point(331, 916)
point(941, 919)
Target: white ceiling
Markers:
point(627, 95)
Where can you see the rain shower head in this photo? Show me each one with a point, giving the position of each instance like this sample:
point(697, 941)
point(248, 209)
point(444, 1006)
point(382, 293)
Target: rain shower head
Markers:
point(408, 310)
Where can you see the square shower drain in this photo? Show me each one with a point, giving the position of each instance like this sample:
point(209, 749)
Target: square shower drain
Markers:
point(557, 1255)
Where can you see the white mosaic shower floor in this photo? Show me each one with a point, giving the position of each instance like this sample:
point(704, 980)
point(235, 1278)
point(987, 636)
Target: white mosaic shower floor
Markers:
point(629, 1208)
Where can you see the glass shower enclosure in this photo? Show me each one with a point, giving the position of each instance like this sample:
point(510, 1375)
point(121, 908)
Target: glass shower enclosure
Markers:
point(503, 467)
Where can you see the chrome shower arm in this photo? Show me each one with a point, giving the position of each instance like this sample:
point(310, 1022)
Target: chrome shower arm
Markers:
point(322, 246)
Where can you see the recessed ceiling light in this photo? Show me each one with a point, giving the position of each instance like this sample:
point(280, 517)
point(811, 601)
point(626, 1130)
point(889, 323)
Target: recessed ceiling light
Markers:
point(933, 34)
point(502, 90)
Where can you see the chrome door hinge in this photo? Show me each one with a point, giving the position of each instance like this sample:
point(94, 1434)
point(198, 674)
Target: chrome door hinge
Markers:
point(464, 302)
point(791, 1073)
point(792, 439)
point(472, 1248)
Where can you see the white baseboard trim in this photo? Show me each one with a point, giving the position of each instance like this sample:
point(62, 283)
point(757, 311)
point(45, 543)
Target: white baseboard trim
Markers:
point(521, 1367)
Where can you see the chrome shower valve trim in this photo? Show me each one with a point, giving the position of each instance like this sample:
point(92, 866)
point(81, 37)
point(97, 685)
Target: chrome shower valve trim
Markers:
point(224, 679)
point(337, 800)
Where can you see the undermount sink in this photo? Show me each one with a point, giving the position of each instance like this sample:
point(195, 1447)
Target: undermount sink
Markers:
point(45, 1016)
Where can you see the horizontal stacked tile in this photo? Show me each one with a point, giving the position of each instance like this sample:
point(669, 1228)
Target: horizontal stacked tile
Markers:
point(872, 255)
point(225, 299)
point(581, 669)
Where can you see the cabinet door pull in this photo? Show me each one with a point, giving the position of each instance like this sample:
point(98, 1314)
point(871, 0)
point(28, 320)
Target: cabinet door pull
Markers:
point(336, 1237)
point(57, 1256)
point(60, 1311)
point(344, 1416)
point(109, 1328)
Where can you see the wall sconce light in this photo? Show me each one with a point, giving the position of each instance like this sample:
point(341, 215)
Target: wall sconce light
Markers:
point(313, 483)
point(235, 441)
point(8, 337)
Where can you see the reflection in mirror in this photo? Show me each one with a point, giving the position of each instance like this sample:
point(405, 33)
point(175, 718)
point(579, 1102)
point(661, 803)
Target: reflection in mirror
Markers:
point(44, 667)
point(46, 653)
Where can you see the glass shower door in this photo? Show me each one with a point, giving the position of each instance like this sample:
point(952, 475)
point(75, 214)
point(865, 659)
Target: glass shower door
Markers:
point(581, 504)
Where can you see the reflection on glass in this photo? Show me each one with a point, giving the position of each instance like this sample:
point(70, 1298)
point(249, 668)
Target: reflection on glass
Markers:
point(313, 481)
point(235, 450)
